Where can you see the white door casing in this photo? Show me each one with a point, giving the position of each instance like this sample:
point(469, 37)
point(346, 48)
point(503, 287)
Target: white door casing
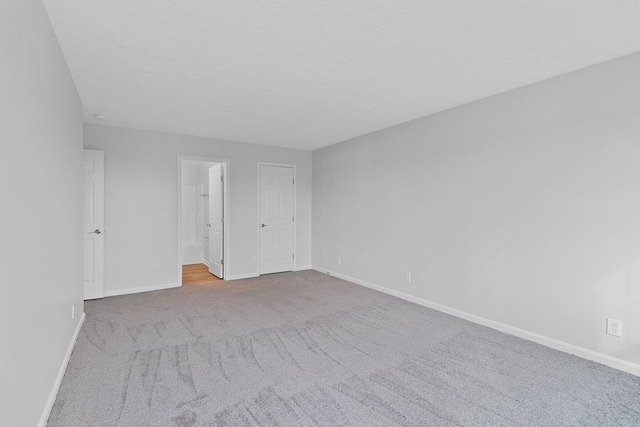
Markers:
point(93, 224)
point(276, 219)
point(216, 220)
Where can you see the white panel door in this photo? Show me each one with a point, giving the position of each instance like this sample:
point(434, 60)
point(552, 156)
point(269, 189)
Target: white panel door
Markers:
point(276, 219)
point(93, 224)
point(216, 220)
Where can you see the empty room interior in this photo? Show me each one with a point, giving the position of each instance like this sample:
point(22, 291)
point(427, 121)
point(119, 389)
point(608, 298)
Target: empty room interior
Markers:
point(320, 213)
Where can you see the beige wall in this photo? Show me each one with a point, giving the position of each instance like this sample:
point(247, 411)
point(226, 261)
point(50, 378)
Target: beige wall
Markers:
point(522, 208)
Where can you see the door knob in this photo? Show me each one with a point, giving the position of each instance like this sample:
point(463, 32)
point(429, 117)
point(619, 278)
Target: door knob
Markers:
point(263, 225)
point(96, 231)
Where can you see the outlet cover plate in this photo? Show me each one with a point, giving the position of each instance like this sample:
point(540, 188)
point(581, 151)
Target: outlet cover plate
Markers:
point(614, 327)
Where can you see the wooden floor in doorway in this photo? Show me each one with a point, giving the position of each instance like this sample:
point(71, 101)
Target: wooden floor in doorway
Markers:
point(195, 274)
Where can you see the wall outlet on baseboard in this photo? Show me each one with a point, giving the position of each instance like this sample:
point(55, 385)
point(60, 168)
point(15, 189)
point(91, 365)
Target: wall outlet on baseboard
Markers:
point(407, 277)
point(154, 268)
point(614, 327)
point(73, 311)
point(339, 260)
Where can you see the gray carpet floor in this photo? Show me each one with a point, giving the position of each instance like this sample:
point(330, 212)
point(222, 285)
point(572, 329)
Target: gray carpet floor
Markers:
point(307, 349)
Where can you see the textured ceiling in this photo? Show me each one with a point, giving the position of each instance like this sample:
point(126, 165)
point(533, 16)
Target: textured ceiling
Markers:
point(310, 73)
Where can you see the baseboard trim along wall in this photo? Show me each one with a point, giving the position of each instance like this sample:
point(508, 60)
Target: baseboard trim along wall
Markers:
point(250, 275)
point(140, 289)
point(622, 365)
point(63, 368)
point(242, 276)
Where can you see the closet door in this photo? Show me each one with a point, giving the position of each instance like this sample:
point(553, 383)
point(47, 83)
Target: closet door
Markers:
point(93, 224)
point(276, 219)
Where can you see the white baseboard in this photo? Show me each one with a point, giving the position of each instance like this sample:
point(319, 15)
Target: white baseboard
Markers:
point(63, 368)
point(140, 289)
point(242, 276)
point(604, 359)
point(256, 274)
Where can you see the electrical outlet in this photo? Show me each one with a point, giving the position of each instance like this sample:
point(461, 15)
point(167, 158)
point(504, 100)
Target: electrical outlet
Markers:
point(339, 260)
point(73, 311)
point(407, 277)
point(614, 327)
point(253, 260)
point(154, 268)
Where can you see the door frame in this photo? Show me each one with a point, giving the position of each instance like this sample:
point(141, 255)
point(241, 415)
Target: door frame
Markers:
point(295, 213)
point(226, 238)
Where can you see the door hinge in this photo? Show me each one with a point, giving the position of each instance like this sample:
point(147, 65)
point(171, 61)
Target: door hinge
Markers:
point(221, 177)
point(293, 256)
point(294, 181)
point(293, 219)
point(222, 220)
point(222, 262)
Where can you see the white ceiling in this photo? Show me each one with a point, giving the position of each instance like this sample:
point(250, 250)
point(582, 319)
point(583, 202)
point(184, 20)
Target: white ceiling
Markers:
point(310, 73)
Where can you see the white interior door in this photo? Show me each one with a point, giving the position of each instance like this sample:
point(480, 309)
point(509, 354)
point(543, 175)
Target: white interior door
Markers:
point(216, 220)
point(276, 219)
point(93, 219)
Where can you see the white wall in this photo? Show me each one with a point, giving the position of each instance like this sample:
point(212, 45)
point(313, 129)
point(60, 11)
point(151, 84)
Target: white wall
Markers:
point(41, 214)
point(523, 208)
point(141, 202)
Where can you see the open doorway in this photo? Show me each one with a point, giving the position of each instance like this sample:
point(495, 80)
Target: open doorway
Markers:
point(202, 232)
